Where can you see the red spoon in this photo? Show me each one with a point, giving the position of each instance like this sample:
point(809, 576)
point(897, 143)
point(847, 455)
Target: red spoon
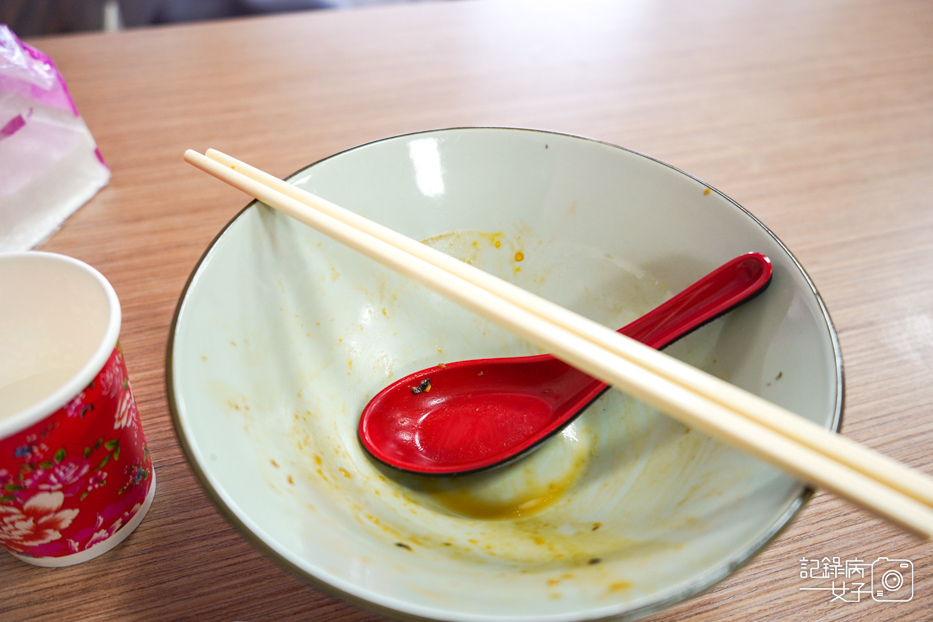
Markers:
point(462, 417)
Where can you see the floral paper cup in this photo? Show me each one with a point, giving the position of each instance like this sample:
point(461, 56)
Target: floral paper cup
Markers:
point(75, 473)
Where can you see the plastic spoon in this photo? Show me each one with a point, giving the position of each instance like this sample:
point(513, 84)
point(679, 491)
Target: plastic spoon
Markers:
point(462, 417)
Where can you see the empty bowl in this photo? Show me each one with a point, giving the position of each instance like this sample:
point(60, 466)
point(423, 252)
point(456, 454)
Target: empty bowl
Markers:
point(282, 336)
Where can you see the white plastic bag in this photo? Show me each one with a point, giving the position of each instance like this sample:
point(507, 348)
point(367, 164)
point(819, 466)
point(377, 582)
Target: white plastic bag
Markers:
point(49, 162)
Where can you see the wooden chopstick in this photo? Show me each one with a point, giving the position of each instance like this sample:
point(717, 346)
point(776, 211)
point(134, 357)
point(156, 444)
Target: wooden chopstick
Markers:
point(887, 488)
point(804, 431)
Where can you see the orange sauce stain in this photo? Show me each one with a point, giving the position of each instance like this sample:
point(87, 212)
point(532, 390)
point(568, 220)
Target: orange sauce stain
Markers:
point(467, 502)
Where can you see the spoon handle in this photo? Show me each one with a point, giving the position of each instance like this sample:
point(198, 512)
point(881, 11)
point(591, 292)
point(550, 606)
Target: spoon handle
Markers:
point(721, 290)
point(728, 286)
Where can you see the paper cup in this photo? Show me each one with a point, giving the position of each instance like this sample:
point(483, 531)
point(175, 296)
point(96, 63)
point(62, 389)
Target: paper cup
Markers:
point(75, 473)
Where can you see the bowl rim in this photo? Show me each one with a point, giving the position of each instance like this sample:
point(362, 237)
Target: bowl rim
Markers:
point(394, 607)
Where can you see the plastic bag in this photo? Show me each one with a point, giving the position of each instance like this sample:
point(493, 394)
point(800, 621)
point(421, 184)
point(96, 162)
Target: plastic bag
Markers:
point(49, 163)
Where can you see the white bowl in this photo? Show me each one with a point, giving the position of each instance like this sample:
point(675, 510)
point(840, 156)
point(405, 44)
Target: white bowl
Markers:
point(282, 336)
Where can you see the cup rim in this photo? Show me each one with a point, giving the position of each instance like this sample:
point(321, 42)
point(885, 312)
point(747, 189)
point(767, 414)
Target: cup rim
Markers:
point(80, 380)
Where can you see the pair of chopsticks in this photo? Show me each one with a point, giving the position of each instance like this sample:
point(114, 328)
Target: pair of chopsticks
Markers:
point(883, 486)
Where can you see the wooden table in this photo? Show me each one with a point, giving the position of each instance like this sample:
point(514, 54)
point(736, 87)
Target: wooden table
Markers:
point(816, 116)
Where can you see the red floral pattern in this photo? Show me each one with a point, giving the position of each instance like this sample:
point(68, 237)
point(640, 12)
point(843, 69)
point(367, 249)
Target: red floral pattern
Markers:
point(73, 479)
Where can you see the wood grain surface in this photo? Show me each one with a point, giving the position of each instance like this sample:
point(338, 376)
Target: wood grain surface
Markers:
point(815, 116)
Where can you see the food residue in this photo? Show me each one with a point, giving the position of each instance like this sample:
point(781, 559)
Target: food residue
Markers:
point(465, 496)
point(424, 387)
point(618, 586)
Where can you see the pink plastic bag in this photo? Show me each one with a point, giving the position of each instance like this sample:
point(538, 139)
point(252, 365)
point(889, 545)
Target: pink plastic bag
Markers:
point(49, 162)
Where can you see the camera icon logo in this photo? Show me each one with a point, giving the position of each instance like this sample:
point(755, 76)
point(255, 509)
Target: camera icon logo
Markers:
point(892, 580)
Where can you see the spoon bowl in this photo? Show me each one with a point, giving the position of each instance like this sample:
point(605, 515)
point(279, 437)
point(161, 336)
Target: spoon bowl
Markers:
point(462, 417)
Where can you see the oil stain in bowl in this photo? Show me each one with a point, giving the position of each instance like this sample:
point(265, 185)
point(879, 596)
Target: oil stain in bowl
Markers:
point(514, 491)
point(466, 502)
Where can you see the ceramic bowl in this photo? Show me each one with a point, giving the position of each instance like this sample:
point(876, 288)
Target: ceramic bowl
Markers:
point(282, 336)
